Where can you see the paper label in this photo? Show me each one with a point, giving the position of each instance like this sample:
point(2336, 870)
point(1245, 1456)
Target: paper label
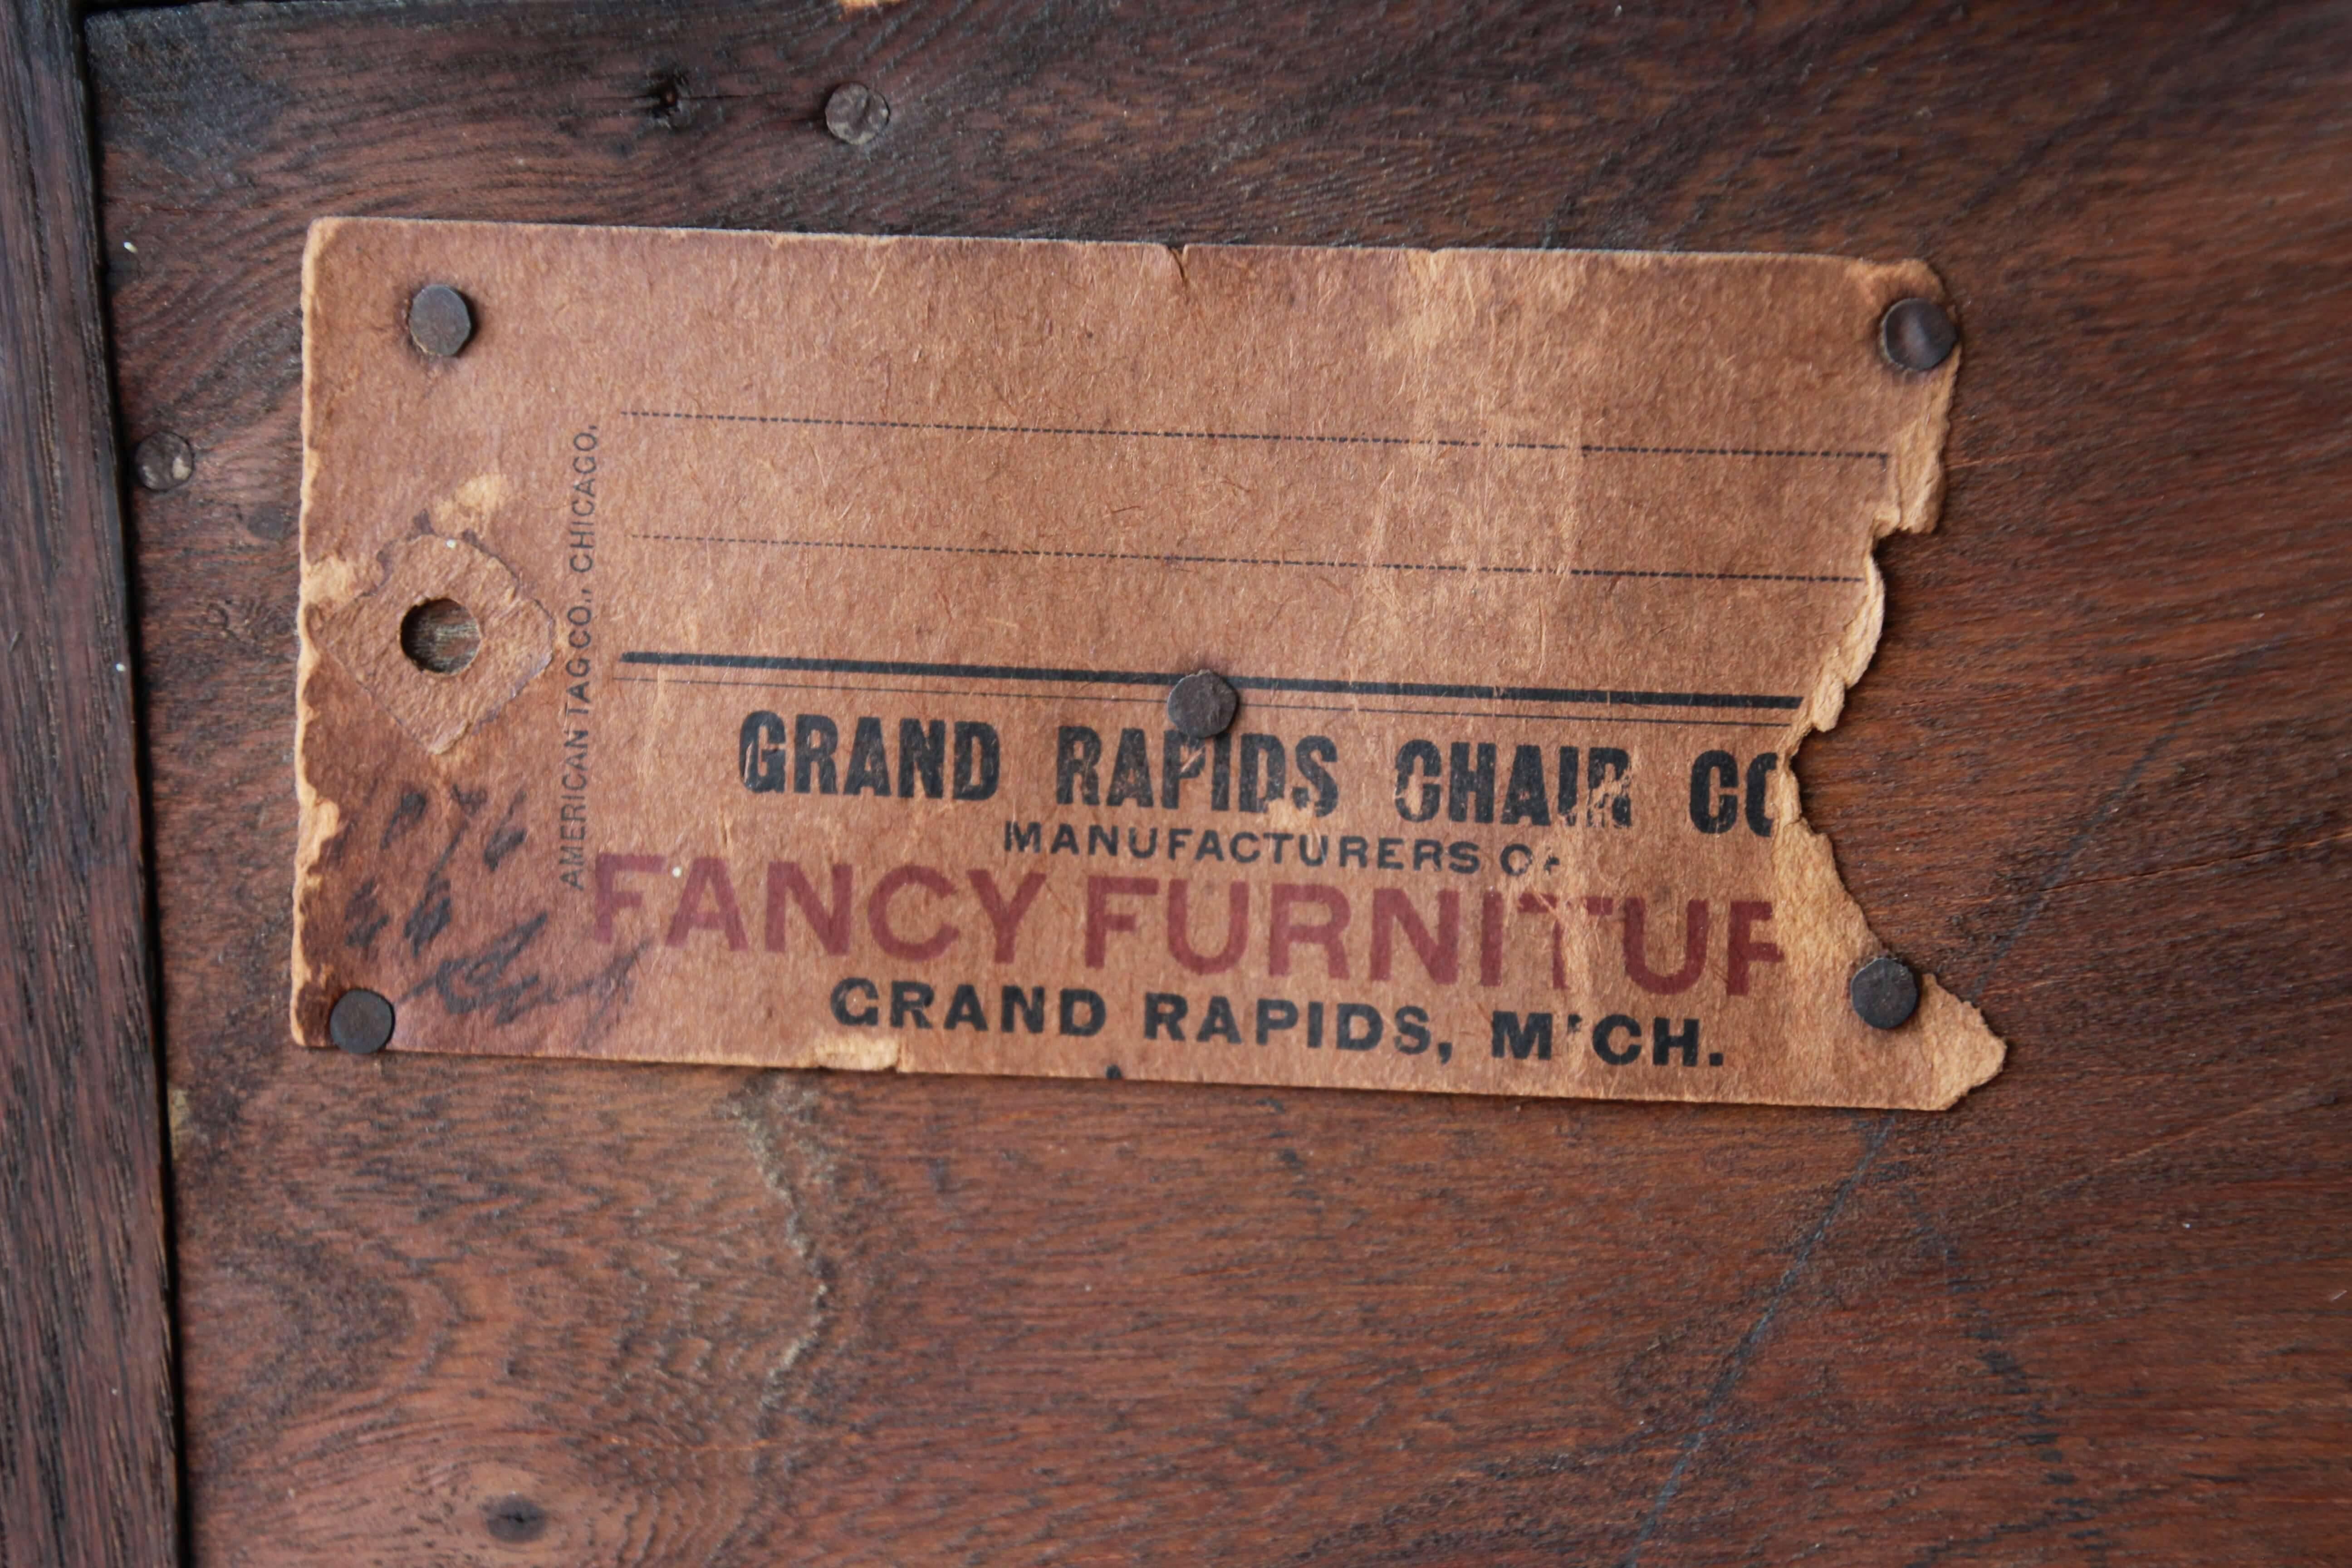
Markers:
point(831, 591)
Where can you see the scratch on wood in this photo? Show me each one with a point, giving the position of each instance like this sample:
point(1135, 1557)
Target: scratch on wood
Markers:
point(774, 1113)
point(2239, 665)
point(2039, 1432)
point(1736, 1368)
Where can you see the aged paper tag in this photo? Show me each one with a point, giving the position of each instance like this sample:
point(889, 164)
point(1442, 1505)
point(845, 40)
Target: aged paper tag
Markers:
point(830, 594)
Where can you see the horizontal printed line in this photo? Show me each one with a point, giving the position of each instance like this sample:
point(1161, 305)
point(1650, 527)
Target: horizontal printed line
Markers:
point(1490, 713)
point(1245, 560)
point(1569, 696)
point(1589, 448)
point(760, 684)
point(1154, 701)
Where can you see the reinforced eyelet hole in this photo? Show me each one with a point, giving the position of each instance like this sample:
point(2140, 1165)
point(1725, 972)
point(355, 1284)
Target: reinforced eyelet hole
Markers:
point(440, 637)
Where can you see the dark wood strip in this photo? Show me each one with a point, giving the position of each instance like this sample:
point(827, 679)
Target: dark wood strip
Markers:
point(85, 1409)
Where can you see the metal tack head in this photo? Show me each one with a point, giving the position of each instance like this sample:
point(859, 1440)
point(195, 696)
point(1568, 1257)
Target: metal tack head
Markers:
point(856, 113)
point(1916, 334)
point(439, 320)
point(1201, 704)
point(359, 1023)
point(164, 461)
point(1885, 993)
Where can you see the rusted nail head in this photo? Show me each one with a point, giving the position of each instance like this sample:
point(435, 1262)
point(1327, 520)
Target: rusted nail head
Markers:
point(514, 1519)
point(439, 320)
point(1917, 335)
point(359, 1023)
point(1202, 705)
point(857, 113)
point(162, 462)
point(1885, 993)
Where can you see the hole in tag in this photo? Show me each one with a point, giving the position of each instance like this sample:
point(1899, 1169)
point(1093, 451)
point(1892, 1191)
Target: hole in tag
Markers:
point(440, 637)
point(443, 640)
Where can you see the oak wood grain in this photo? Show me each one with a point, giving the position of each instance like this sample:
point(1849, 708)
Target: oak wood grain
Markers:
point(445, 1310)
point(87, 1470)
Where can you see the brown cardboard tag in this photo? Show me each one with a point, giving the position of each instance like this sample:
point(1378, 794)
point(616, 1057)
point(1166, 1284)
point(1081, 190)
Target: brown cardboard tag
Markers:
point(831, 593)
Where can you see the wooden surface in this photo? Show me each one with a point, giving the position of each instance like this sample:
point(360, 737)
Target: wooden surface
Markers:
point(480, 1311)
point(86, 1463)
